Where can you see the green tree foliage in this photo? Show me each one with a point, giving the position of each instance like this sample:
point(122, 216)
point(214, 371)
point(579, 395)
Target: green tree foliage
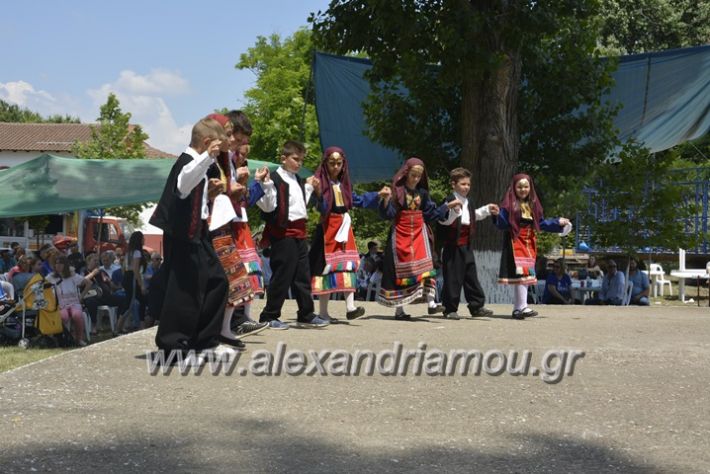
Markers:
point(281, 106)
point(14, 113)
point(115, 138)
point(471, 69)
point(639, 26)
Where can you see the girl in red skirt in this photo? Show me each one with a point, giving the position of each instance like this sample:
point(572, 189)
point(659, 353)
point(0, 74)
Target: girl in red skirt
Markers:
point(408, 271)
point(333, 256)
point(521, 218)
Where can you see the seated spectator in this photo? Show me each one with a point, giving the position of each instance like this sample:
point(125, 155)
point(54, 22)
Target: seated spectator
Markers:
point(103, 291)
point(66, 287)
point(364, 273)
point(593, 270)
point(558, 286)
point(613, 285)
point(541, 268)
point(28, 267)
point(107, 263)
point(76, 260)
point(7, 261)
point(641, 289)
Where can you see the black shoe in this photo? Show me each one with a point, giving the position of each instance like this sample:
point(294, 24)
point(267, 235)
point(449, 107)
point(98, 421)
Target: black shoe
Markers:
point(480, 312)
point(528, 313)
point(402, 317)
point(231, 342)
point(453, 315)
point(357, 313)
point(517, 314)
point(250, 328)
point(439, 308)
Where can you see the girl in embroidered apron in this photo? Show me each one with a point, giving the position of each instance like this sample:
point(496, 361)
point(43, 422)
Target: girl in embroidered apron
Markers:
point(408, 271)
point(224, 242)
point(333, 257)
point(521, 218)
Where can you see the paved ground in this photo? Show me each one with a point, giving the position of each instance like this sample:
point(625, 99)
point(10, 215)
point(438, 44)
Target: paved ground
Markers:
point(637, 402)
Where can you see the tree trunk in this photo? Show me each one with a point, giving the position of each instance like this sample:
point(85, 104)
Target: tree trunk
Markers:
point(489, 136)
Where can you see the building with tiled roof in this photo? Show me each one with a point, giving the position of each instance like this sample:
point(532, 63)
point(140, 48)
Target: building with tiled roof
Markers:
point(21, 142)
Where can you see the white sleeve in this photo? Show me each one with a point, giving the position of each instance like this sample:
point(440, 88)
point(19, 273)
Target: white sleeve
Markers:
point(267, 202)
point(192, 173)
point(309, 191)
point(454, 214)
point(482, 212)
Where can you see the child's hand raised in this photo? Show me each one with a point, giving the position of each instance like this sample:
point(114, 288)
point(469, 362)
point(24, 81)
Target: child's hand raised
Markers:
point(564, 221)
point(213, 148)
point(493, 209)
point(242, 171)
point(315, 182)
point(385, 193)
point(455, 203)
point(262, 174)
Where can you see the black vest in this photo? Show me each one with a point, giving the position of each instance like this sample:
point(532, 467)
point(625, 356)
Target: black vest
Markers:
point(448, 235)
point(173, 214)
point(279, 216)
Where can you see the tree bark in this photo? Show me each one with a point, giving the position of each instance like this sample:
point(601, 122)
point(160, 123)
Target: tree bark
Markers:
point(489, 136)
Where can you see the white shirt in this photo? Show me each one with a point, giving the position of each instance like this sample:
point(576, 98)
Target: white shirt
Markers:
point(481, 213)
point(191, 175)
point(66, 289)
point(296, 204)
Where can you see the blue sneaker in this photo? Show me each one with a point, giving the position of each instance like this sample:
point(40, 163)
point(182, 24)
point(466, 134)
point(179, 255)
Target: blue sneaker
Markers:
point(276, 324)
point(316, 322)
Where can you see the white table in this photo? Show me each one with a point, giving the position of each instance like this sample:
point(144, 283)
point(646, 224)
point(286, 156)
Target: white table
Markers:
point(695, 274)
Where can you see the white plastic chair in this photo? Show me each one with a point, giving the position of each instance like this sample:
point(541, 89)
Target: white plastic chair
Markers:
point(112, 312)
point(661, 280)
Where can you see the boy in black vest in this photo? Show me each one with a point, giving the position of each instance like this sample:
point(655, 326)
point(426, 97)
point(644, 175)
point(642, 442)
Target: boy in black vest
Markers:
point(285, 213)
point(457, 259)
point(195, 284)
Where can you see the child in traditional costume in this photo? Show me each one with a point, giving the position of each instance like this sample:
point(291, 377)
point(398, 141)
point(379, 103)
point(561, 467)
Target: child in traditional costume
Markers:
point(195, 284)
point(334, 258)
point(521, 218)
point(408, 269)
point(285, 214)
point(455, 237)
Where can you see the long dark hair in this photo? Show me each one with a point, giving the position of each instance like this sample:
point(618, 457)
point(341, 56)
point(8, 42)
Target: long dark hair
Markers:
point(136, 241)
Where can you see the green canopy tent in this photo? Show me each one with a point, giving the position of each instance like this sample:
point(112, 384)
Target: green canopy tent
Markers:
point(51, 185)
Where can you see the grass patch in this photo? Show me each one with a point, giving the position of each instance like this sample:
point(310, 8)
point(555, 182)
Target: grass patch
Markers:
point(13, 356)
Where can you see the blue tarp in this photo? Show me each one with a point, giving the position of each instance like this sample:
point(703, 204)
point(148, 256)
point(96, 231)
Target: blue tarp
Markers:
point(665, 98)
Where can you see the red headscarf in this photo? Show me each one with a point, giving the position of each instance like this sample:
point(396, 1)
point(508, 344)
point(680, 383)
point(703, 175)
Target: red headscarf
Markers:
point(222, 119)
point(511, 204)
point(400, 179)
point(344, 178)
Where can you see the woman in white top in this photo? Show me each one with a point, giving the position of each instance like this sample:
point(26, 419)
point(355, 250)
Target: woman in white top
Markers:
point(66, 287)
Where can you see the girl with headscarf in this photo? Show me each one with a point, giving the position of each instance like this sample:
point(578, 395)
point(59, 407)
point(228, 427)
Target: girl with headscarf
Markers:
point(223, 181)
point(333, 256)
point(408, 270)
point(521, 218)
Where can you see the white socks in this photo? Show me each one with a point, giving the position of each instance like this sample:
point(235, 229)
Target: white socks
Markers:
point(399, 310)
point(247, 310)
point(350, 302)
point(431, 301)
point(520, 297)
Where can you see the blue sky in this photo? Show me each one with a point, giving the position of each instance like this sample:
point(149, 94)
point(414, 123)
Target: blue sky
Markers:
point(169, 63)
